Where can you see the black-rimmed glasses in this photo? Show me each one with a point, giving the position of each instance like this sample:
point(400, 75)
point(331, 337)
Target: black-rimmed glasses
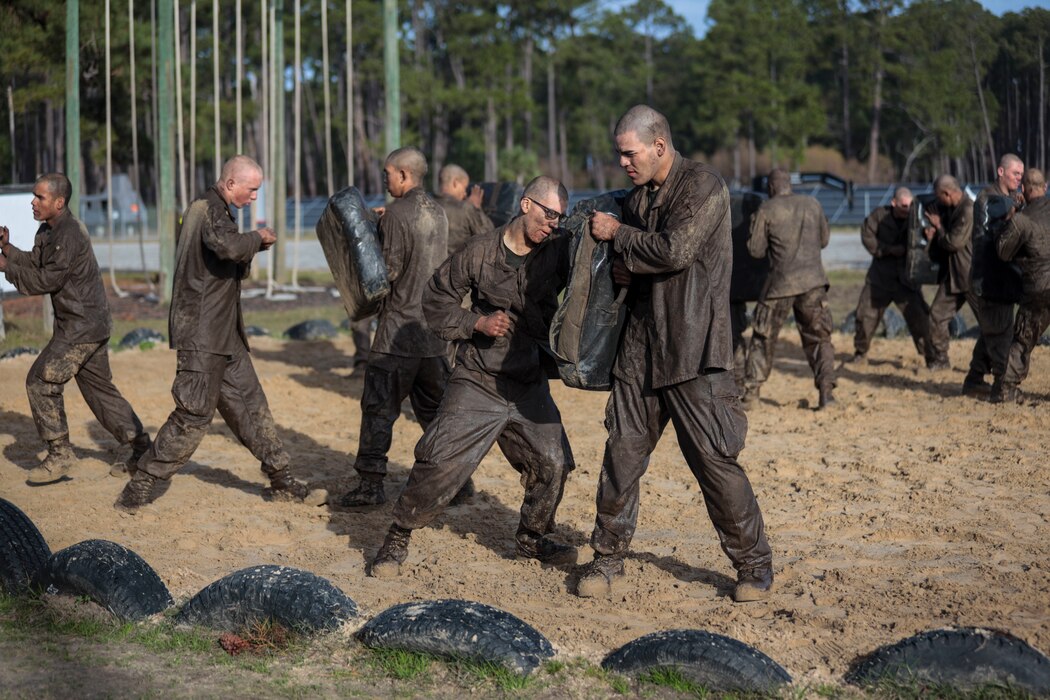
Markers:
point(548, 213)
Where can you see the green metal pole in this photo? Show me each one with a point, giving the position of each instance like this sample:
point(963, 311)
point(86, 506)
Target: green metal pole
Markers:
point(166, 212)
point(392, 66)
point(279, 176)
point(73, 103)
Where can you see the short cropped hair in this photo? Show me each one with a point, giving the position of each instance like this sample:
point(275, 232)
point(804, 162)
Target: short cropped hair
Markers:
point(946, 183)
point(542, 186)
point(1033, 179)
point(235, 166)
point(58, 185)
point(451, 173)
point(647, 123)
point(1009, 159)
point(409, 159)
point(779, 181)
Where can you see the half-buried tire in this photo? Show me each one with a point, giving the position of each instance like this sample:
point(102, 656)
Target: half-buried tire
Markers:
point(960, 658)
point(23, 550)
point(111, 575)
point(459, 629)
point(295, 599)
point(707, 659)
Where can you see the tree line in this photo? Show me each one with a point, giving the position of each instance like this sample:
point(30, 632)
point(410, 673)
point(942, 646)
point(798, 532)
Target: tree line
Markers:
point(873, 90)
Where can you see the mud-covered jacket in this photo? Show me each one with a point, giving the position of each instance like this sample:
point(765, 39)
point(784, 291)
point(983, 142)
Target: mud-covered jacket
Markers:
point(528, 295)
point(886, 238)
point(792, 230)
point(677, 242)
point(952, 244)
point(464, 221)
point(63, 265)
point(414, 232)
point(1026, 240)
point(211, 259)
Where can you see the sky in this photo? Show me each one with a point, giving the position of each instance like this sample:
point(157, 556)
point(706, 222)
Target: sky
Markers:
point(695, 11)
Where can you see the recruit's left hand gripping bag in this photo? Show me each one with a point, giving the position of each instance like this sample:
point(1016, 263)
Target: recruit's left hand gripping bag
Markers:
point(351, 245)
point(585, 332)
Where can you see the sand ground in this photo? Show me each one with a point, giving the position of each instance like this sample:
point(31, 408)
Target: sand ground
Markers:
point(903, 508)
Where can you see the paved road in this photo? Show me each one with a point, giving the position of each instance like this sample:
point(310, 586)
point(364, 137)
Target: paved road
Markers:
point(845, 252)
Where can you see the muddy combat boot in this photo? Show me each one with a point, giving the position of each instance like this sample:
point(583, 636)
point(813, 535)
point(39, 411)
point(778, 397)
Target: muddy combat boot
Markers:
point(547, 552)
point(56, 465)
point(826, 397)
point(753, 584)
point(599, 578)
point(857, 359)
point(974, 385)
point(139, 491)
point(368, 492)
point(139, 445)
point(464, 495)
point(285, 487)
point(1006, 394)
point(392, 554)
point(750, 398)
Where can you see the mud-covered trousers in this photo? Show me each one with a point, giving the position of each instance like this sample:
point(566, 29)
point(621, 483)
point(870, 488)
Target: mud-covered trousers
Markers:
point(204, 382)
point(875, 298)
point(996, 322)
point(477, 411)
point(813, 319)
point(389, 379)
point(711, 427)
point(1033, 318)
point(88, 363)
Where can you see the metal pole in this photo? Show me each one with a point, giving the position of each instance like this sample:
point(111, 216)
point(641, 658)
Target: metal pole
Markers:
point(392, 66)
point(329, 172)
point(191, 176)
point(215, 58)
point(350, 92)
point(297, 185)
point(271, 206)
point(135, 143)
point(166, 211)
point(73, 103)
point(11, 128)
point(280, 174)
point(240, 78)
point(183, 203)
point(109, 162)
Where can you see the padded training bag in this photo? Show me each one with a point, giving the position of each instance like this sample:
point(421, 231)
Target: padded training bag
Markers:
point(500, 201)
point(919, 267)
point(585, 332)
point(749, 274)
point(351, 245)
point(991, 278)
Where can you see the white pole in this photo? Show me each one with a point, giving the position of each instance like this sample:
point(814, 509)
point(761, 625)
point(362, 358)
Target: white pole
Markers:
point(298, 146)
point(330, 173)
point(183, 203)
point(109, 162)
point(271, 195)
point(215, 62)
point(350, 92)
point(240, 78)
point(193, 98)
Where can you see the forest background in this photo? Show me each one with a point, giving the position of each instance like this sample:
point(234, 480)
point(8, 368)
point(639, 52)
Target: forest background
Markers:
point(871, 90)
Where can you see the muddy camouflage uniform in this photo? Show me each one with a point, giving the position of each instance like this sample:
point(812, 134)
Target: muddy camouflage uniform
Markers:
point(952, 248)
point(464, 221)
point(498, 392)
point(63, 265)
point(675, 364)
point(793, 229)
point(996, 320)
point(1026, 240)
point(206, 328)
point(406, 359)
point(886, 238)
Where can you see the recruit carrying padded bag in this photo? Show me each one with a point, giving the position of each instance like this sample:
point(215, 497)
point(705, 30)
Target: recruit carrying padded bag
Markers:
point(585, 332)
point(351, 245)
point(991, 278)
point(749, 274)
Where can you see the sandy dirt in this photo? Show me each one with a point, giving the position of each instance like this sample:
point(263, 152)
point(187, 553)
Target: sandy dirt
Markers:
point(905, 507)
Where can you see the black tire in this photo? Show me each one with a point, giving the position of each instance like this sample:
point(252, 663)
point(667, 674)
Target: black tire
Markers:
point(314, 329)
point(295, 599)
point(111, 575)
point(459, 629)
point(711, 660)
point(966, 657)
point(23, 550)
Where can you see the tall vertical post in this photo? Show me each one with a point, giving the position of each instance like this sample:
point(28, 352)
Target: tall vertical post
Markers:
point(297, 166)
point(329, 173)
point(73, 102)
point(280, 174)
point(166, 212)
point(392, 69)
point(215, 86)
point(240, 78)
point(350, 92)
point(177, 42)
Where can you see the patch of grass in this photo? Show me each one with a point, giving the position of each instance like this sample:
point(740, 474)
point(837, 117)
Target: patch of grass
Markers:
point(400, 664)
point(919, 689)
point(673, 679)
point(488, 672)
